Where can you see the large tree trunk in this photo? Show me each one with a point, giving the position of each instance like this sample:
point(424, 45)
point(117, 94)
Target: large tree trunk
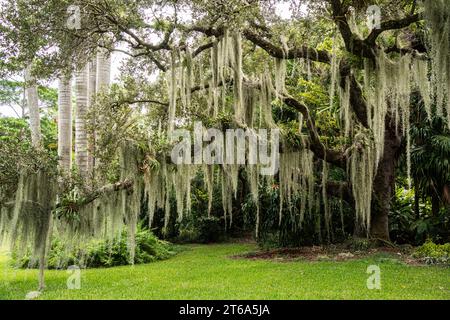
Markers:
point(435, 204)
point(65, 124)
point(33, 107)
point(81, 158)
point(383, 187)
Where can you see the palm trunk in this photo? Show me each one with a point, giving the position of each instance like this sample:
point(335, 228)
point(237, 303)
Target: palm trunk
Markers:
point(65, 124)
point(33, 107)
point(103, 79)
point(92, 81)
point(103, 70)
point(81, 85)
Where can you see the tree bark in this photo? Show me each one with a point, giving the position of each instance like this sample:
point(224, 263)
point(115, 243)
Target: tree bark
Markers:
point(65, 123)
point(103, 70)
point(92, 86)
point(118, 186)
point(446, 194)
point(416, 200)
point(435, 204)
point(81, 158)
point(33, 107)
point(383, 187)
point(103, 77)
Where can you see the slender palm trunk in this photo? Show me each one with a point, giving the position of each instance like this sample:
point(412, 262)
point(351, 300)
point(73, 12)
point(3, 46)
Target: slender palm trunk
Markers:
point(24, 101)
point(103, 79)
point(103, 70)
point(92, 86)
point(33, 107)
point(81, 87)
point(65, 124)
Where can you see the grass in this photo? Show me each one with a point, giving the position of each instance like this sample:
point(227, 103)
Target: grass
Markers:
point(208, 272)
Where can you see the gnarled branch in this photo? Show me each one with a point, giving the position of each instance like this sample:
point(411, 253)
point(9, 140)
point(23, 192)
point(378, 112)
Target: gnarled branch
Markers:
point(357, 101)
point(392, 25)
point(332, 156)
point(295, 53)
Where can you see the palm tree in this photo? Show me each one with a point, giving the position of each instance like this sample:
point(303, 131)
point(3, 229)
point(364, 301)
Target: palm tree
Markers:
point(103, 70)
point(92, 87)
point(31, 94)
point(103, 74)
point(81, 88)
point(65, 123)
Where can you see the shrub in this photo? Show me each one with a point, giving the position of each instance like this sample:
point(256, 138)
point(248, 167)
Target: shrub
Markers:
point(210, 229)
point(104, 253)
point(407, 227)
point(359, 244)
point(188, 233)
point(201, 229)
point(292, 232)
point(433, 253)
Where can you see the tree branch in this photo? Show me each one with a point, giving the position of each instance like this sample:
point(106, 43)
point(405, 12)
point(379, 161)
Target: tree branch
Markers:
point(202, 48)
point(352, 43)
point(391, 25)
point(123, 185)
point(272, 49)
point(117, 103)
point(316, 146)
point(357, 101)
point(278, 52)
point(405, 50)
point(365, 48)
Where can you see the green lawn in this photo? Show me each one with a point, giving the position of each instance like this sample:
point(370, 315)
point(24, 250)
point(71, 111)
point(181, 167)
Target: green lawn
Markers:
point(207, 272)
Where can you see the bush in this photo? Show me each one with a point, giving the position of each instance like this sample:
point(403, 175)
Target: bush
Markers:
point(292, 232)
point(210, 229)
point(407, 227)
point(201, 229)
point(433, 253)
point(104, 253)
point(187, 232)
point(359, 244)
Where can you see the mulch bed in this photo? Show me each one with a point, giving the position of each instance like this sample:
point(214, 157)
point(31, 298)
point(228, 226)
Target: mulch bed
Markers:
point(329, 253)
